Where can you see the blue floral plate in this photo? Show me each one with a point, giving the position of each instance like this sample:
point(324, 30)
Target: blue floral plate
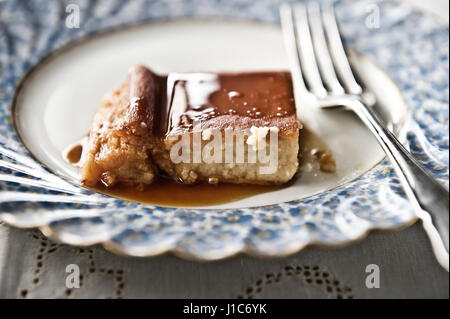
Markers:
point(58, 58)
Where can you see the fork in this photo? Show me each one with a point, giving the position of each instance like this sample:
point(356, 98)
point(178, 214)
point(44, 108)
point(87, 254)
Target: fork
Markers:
point(323, 77)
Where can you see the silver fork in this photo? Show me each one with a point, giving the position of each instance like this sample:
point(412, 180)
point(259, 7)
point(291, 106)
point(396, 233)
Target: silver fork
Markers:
point(323, 77)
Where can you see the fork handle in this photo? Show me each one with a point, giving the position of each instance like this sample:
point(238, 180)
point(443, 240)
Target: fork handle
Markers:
point(429, 198)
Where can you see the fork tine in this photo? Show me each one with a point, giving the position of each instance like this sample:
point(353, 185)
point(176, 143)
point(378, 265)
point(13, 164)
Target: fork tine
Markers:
point(307, 56)
point(287, 25)
point(337, 51)
point(321, 49)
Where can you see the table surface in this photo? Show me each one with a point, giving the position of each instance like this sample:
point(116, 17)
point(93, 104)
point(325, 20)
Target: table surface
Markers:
point(32, 266)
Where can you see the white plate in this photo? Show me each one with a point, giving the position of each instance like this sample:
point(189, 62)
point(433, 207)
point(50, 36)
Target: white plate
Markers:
point(58, 100)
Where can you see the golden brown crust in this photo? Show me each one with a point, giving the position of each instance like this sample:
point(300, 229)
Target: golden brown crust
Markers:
point(125, 144)
point(118, 143)
point(231, 101)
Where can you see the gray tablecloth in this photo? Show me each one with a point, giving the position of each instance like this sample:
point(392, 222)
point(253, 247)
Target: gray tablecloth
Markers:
point(32, 266)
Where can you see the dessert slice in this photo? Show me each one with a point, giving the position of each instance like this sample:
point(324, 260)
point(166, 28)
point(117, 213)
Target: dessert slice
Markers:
point(225, 127)
point(240, 114)
point(120, 139)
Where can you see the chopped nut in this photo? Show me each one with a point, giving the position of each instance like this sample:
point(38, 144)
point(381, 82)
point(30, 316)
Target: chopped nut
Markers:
point(213, 180)
point(326, 160)
point(108, 179)
point(193, 175)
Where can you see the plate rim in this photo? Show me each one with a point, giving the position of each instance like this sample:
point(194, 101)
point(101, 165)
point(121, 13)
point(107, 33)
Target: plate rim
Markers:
point(174, 250)
point(399, 129)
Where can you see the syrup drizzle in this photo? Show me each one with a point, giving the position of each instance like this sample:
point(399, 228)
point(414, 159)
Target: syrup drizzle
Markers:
point(166, 192)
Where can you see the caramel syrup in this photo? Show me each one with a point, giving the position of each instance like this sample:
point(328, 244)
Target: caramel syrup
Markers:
point(74, 154)
point(166, 192)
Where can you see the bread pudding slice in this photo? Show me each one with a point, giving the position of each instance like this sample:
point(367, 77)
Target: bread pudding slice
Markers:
point(237, 109)
point(120, 139)
point(195, 127)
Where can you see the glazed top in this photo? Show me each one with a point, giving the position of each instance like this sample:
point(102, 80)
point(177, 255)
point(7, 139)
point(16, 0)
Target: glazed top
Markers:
point(177, 103)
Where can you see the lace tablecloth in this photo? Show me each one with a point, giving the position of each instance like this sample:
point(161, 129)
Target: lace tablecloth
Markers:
point(32, 266)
